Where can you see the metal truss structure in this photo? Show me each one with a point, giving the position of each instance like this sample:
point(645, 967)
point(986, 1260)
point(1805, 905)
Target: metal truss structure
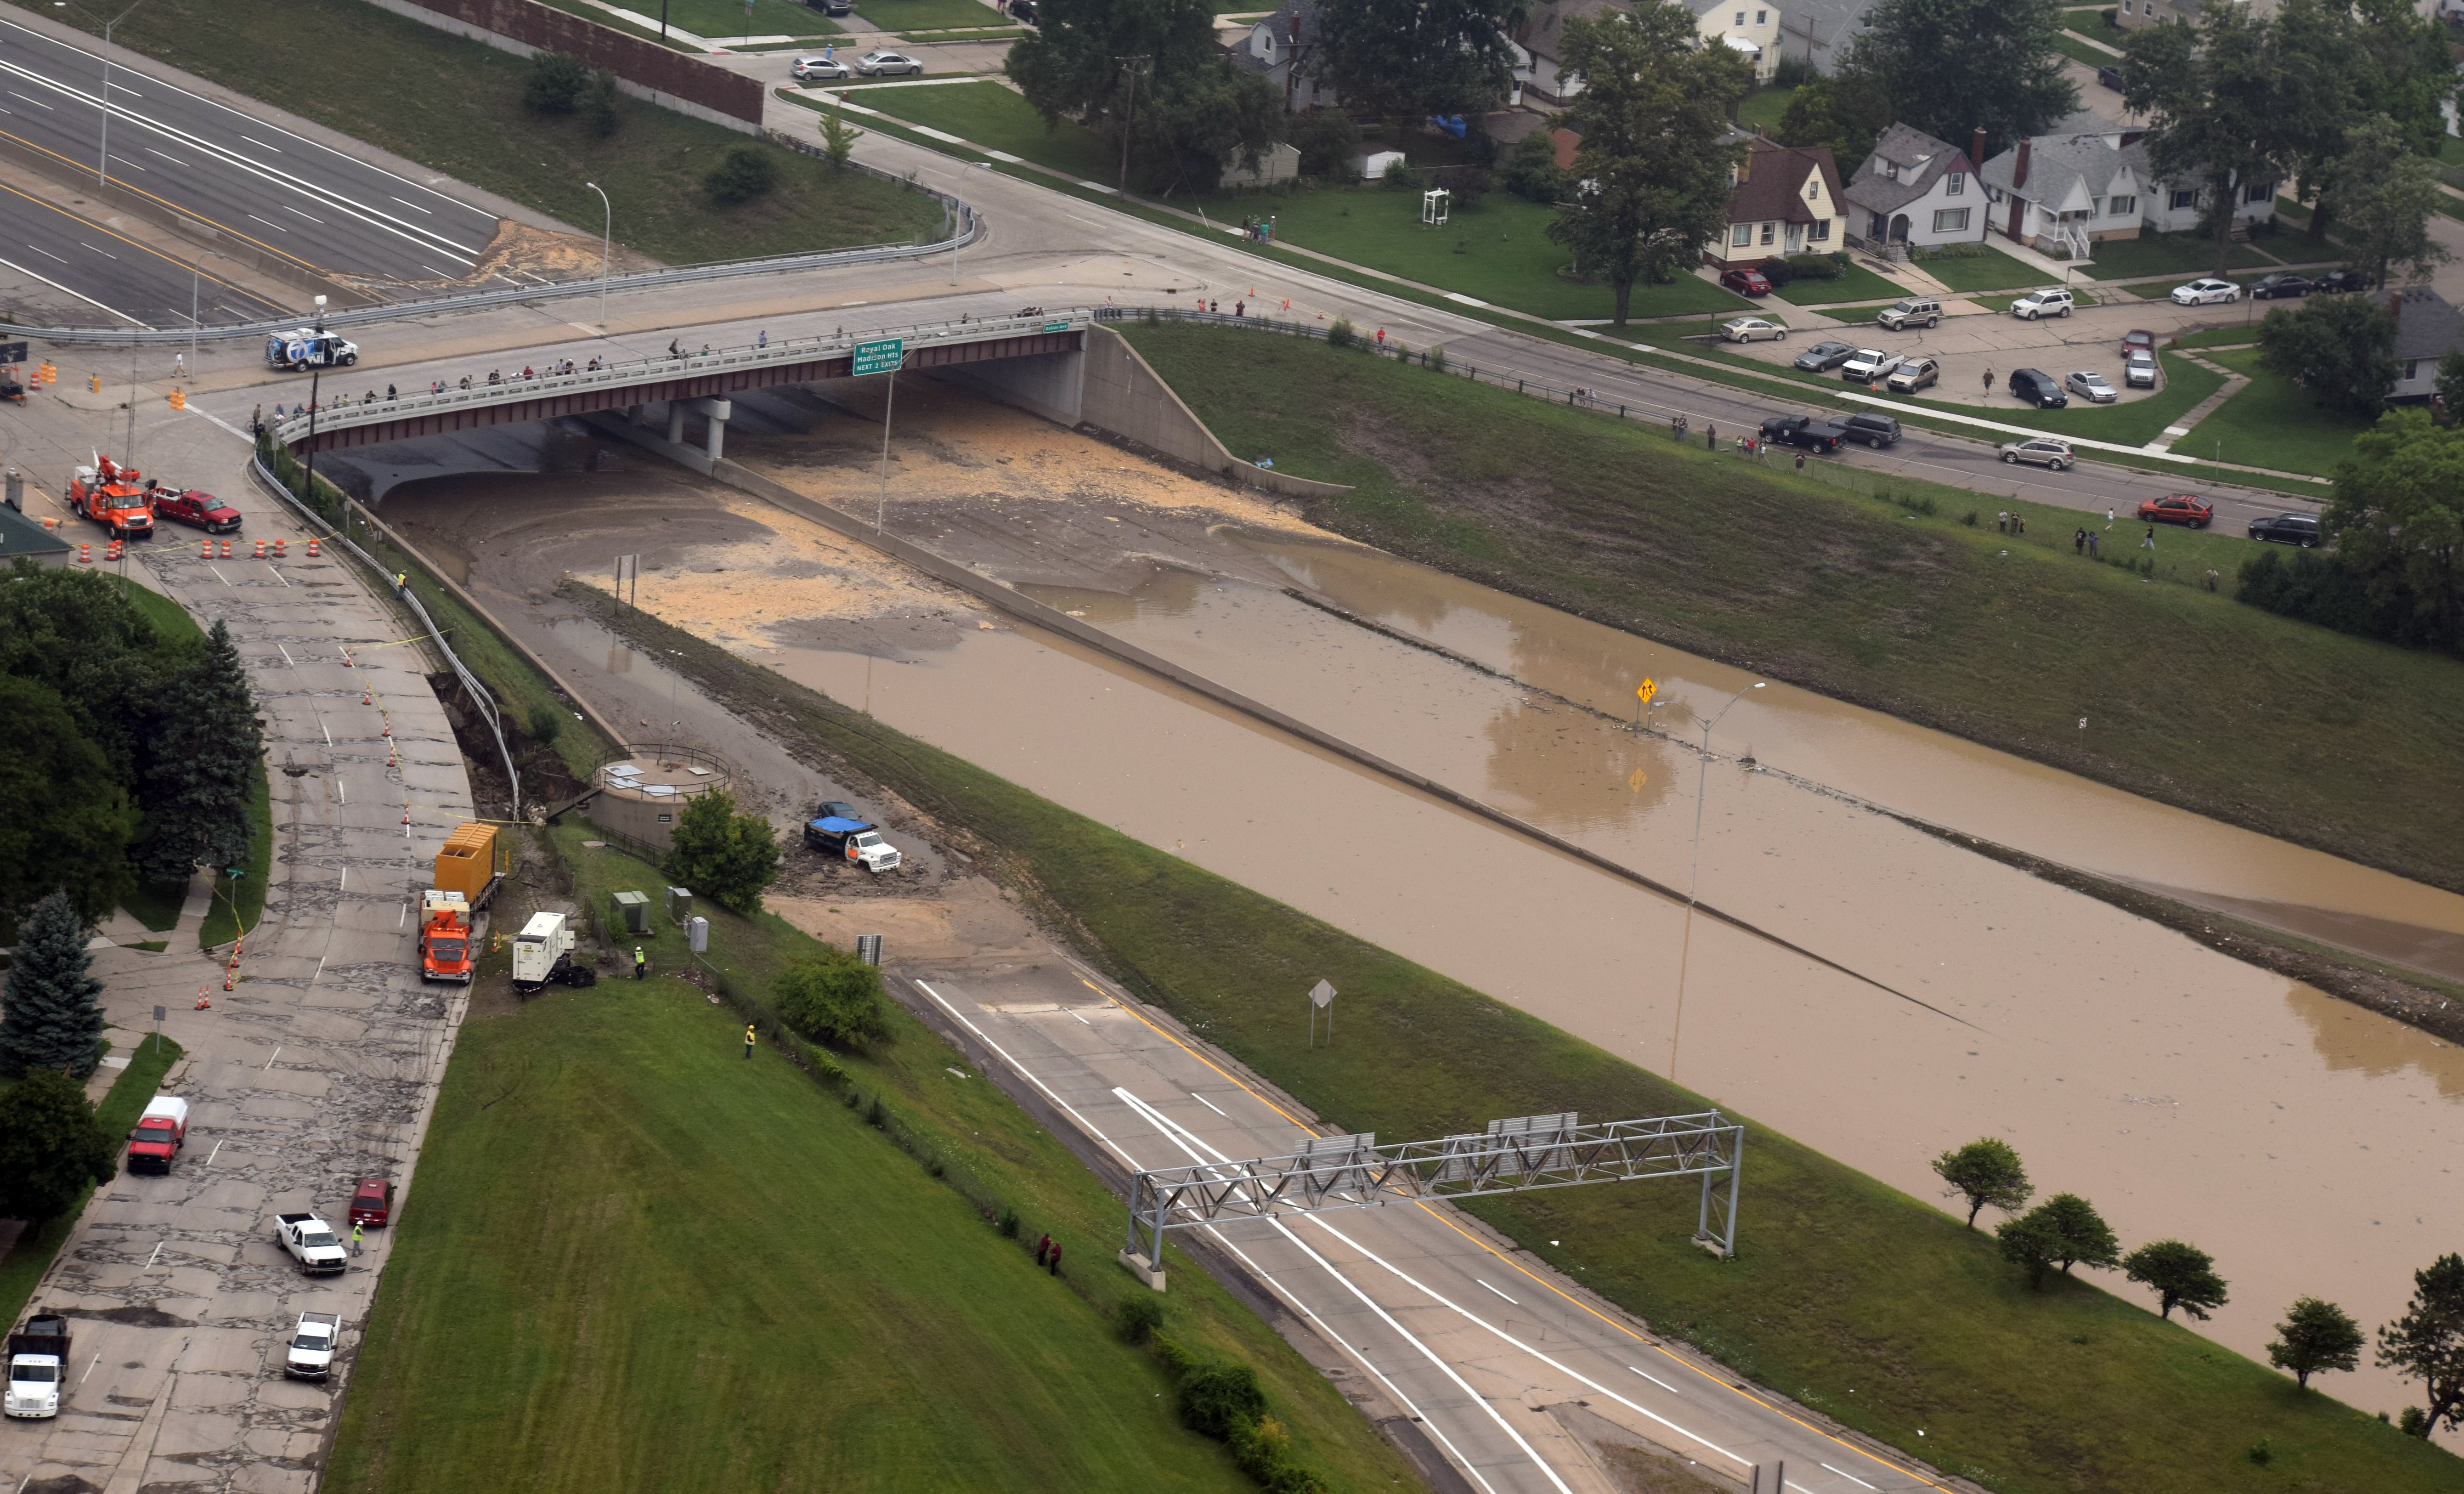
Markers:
point(1514, 1156)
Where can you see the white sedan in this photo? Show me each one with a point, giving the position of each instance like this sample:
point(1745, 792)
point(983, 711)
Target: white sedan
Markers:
point(1752, 329)
point(2202, 293)
point(2091, 388)
point(888, 64)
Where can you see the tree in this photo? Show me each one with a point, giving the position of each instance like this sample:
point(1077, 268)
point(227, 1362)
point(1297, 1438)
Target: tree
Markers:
point(555, 84)
point(2315, 1335)
point(2032, 1242)
point(1653, 175)
point(2081, 1234)
point(1847, 114)
point(2451, 387)
point(1146, 75)
point(725, 856)
point(2385, 201)
point(599, 103)
point(2182, 1276)
point(51, 1148)
point(2236, 102)
point(1957, 66)
point(204, 768)
point(1985, 1171)
point(1531, 171)
point(2342, 348)
point(69, 821)
point(838, 137)
point(834, 998)
point(2427, 1344)
point(1413, 58)
point(2398, 518)
point(76, 633)
point(1326, 139)
point(745, 172)
point(51, 1010)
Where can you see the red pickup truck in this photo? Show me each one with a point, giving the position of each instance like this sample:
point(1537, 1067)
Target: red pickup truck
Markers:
point(198, 508)
point(160, 1134)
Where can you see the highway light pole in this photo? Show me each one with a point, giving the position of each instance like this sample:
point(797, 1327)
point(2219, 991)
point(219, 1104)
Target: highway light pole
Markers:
point(1693, 878)
point(102, 156)
point(606, 239)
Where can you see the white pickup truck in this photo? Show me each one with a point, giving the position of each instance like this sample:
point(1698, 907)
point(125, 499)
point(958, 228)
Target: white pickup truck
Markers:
point(311, 1356)
point(311, 1243)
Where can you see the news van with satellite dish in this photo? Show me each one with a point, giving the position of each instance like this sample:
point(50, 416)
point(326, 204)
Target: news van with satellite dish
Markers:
point(303, 348)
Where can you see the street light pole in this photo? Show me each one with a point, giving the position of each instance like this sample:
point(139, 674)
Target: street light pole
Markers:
point(606, 241)
point(102, 154)
point(1693, 878)
point(316, 375)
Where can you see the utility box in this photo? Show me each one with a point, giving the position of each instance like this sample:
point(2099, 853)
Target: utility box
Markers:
point(631, 911)
point(867, 948)
point(698, 935)
point(679, 904)
point(471, 862)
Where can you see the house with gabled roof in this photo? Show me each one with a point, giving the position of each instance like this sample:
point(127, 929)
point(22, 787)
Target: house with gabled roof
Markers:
point(1915, 189)
point(1785, 200)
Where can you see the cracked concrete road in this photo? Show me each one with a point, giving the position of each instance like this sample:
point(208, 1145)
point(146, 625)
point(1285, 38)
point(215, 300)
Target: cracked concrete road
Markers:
point(320, 1068)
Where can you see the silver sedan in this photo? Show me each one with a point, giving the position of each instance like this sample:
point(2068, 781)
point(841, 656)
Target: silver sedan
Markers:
point(2091, 388)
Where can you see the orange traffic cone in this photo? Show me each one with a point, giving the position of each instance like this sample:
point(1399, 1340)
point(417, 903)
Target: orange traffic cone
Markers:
point(111, 552)
point(261, 550)
point(179, 401)
point(202, 1004)
point(347, 658)
point(367, 695)
point(85, 555)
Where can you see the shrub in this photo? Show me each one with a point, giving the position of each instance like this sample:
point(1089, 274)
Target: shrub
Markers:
point(1816, 267)
point(1531, 171)
point(543, 721)
point(1435, 360)
point(555, 84)
point(1138, 1318)
point(1400, 178)
point(1219, 1398)
point(1777, 271)
point(1326, 139)
point(599, 103)
point(1469, 186)
point(745, 172)
point(723, 855)
point(832, 996)
point(1790, 72)
point(1340, 333)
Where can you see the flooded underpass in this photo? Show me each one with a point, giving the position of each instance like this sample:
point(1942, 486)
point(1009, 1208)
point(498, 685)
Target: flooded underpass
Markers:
point(2308, 1143)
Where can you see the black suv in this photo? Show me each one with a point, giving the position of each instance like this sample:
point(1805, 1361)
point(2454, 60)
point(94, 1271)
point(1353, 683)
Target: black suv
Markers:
point(2111, 78)
point(2342, 282)
point(2296, 529)
point(1875, 431)
point(2038, 389)
point(2268, 287)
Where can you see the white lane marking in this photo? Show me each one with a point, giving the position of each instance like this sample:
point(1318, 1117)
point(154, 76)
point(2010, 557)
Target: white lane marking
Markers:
point(64, 290)
point(45, 253)
point(271, 224)
point(130, 164)
point(174, 160)
point(278, 1053)
point(1853, 1479)
point(402, 917)
point(319, 222)
point(149, 1265)
point(1172, 1134)
point(216, 1152)
point(286, 655)
point(412, 206)
point(1209, 1103)
point(277, 576)
point(341, 793)
point(36, 103)
point(1656, 1380)
point(219, 576)
point(321, 726)
point(1255, 1271)
point(1501, 1295)
point(254, 140)
point(319, 970)
point(104, 253)
point(81, 1379)
point(1081, 1022)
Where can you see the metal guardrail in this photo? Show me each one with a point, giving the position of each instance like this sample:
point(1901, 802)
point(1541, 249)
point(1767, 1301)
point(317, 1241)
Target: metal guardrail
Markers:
point(344, 413)
point(964, 224)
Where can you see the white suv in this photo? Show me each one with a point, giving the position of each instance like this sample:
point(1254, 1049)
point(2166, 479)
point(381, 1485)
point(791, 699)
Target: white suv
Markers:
point(2052, 301)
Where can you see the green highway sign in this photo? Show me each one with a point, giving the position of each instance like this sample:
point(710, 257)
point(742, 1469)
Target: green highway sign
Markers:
point(882, 357)
point(1056, 326)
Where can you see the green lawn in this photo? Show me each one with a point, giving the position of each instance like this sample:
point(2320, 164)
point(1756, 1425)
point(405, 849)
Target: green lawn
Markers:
point(989, 114)
point(919, 15)
point(1843, 1284)
point(2189, 255)
point(633, 1259)
point(2079, 51)
point(725, 20)
point(239, 902)
point(599, 17)
point(1762, 109)
point(2274, 423)
point(455, 105)
point(1857, 284)
point(2090, 23)
point(1990, 270)
point(22, 1268)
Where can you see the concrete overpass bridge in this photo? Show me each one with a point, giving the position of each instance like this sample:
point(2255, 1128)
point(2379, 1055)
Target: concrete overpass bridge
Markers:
point(1037, 362)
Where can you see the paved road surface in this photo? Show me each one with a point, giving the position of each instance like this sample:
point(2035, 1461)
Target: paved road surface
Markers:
point(119, 273)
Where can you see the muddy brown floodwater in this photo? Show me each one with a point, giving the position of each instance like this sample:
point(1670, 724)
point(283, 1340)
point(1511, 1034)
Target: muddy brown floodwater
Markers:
point(2310, 1144)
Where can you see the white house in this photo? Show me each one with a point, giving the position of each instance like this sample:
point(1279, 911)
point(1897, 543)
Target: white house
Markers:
point(1786, 200)
point(1749, 28)
point(2089, 179)
point(1282, 48)
point(1916, 189)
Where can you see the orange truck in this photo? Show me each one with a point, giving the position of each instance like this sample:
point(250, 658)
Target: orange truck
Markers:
point(114, 496)
point(470, 867)
point(445, 950)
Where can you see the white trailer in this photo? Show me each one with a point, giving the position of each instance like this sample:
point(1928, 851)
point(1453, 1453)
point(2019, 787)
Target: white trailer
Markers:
point(543, 956)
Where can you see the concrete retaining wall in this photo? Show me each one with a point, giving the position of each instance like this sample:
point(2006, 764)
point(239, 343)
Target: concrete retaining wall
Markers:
point(1129, 399)
point(1052, 386)
point(643, 69)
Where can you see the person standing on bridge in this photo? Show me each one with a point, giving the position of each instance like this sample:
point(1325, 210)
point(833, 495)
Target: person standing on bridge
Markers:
point(763, 341)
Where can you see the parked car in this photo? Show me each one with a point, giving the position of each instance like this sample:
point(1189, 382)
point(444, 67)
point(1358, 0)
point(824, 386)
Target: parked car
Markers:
point(1752, 329)
point(2051, 302)
point(2295, 529)
point(311, 1356)
point(888, 64)
point(2139, 370)
point(814, 69)
point(1021, 12)
point(2038, 389)
point(1802, 431)
point(1824, 357)
point(1869, 364)
point(198, 508)
point(311, 1243)
point(2204, 293)
point(2109, 77)
point(1746, 282)
point(2043, 450)
point(1914, 312)
point(2177, 508)
point(2091, 388)
point(372, 1203)
point(1917, 373)
point(2341, 283)
point(2138, 340)
point(834, 809)
point(2268, 287)
point(1871, 426)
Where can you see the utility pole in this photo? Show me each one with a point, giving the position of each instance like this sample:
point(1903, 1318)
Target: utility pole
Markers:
point(1129, 67)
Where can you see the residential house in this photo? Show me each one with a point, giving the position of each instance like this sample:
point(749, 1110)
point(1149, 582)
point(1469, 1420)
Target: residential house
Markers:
point(1915, 189)
point(1818, 32)
point(1749, 28)
point(1786, 200)
point(2427, 329)
point(1280, 47)
point(2089, 179)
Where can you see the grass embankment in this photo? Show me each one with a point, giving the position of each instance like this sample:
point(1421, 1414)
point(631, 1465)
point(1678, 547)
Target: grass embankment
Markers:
point(930, 15)
point(1843, 1284)
point(2186, 692)
point(456, 105)
point(632, 1257)
point(22, 1268)
point(2274, 423)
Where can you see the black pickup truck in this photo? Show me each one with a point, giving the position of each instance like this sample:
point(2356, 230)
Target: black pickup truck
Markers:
point(1804, 430)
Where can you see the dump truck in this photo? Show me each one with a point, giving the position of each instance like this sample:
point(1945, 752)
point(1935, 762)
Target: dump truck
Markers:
point(311, 1354)
point(851, 839)
point(472, 862)
point(543, 956)
point(114, 496)
point(445, 951)
point(160, 1135)
point(39, 1360)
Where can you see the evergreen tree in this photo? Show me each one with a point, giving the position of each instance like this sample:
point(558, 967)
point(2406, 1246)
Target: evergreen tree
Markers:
point(70, 821)
point(51, 1010)
point(50, 1147)
point(204, 768)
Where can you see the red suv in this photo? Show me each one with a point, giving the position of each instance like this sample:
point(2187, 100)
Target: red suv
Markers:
point(1746, 282)
point(373, 1204)
point(2177, 508)
point(199, 510)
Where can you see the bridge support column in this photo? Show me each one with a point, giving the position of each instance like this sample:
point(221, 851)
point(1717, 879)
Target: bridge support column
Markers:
point(676, 421)
point(714, 437)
